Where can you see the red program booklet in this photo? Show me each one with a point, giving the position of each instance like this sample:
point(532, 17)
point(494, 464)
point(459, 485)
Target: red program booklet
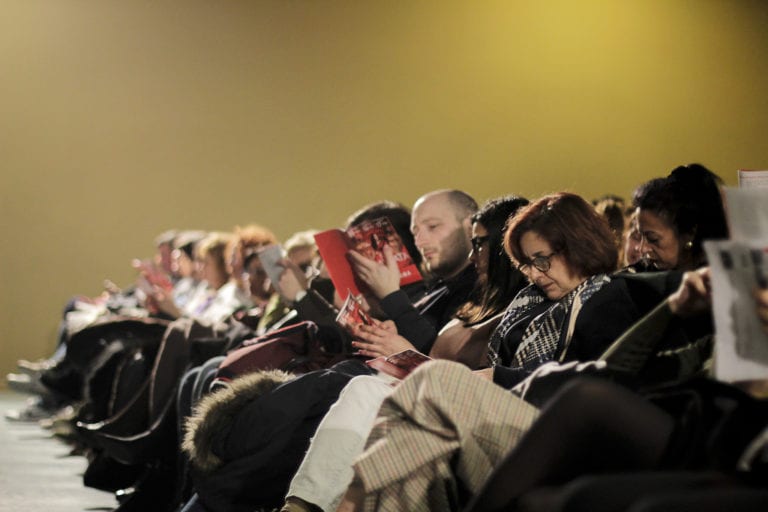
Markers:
point(399, 365)
point(369, 239)
point(352, 313)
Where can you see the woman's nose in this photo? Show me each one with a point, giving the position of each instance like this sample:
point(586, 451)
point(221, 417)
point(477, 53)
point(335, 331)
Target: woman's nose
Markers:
point(534, 273)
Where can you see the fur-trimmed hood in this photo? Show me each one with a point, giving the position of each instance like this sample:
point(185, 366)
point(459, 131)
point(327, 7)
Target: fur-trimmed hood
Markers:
point(217, 410)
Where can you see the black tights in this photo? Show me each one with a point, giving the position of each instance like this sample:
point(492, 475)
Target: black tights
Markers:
point(591, 426)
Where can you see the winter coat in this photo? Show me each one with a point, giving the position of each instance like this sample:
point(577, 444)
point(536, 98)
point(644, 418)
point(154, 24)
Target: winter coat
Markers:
point(246, 442)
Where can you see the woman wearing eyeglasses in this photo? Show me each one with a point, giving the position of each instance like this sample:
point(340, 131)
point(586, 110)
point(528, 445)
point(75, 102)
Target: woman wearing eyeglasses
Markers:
point(573, 307)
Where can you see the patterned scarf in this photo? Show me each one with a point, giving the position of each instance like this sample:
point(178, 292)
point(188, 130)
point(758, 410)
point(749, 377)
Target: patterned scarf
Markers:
point(542, 336)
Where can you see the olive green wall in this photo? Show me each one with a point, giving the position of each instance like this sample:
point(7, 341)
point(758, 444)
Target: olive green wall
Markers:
point(119, 119)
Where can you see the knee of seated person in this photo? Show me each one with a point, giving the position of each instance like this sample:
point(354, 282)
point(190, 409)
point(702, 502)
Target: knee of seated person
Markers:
point(363, 387)
point(437, 369)
point(585, 395)
point(358, 403)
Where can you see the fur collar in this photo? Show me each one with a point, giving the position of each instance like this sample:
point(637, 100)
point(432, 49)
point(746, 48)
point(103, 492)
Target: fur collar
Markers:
point(216, 410)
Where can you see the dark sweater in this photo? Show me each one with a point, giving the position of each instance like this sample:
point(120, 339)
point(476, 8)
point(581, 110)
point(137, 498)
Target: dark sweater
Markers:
point(420, 322)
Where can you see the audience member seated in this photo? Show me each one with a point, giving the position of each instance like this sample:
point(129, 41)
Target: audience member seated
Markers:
point(441, 226)
point(52, 382)
point(696, 436)
point(223, 293)
point(676, 214)
point(459, 427)
point(183, 266)
point(566, 250)
point(327, 468)
point(632, 243)
point(313, 305)
point(613, 208)
point(557, 368)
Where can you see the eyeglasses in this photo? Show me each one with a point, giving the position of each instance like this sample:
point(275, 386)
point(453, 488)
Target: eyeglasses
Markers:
point(541, 263)
point(478, 242)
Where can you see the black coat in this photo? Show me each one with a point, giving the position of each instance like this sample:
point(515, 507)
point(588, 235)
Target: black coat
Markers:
point(260, 443)
point(603, 318)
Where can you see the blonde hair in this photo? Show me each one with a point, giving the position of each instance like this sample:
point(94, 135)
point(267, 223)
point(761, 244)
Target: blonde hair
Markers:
point(215, 245)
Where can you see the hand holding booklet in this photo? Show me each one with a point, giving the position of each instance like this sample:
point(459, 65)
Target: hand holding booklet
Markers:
point(352, 313)
point(150, 275)
point(739, 266)
point(369, 239)
point(270, 257)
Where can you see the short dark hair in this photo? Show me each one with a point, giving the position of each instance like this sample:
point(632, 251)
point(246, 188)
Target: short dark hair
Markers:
point(398, 215)
point(612, 208)
point(572, 227)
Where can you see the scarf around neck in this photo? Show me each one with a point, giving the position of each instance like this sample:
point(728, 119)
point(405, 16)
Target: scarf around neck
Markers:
point(542, 337)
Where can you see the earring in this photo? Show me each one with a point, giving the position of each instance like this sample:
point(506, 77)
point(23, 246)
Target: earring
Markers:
point(689, 245)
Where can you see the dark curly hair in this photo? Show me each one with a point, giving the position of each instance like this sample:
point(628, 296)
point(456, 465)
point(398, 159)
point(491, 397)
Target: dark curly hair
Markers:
point(689, 200)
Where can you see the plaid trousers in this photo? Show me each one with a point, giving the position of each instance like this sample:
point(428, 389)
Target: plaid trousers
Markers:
point(443, 426)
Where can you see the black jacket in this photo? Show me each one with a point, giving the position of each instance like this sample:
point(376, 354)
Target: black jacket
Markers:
point(602, 319)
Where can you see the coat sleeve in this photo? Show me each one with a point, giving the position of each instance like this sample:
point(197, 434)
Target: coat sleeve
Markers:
point(410, 324)
point(601, 321)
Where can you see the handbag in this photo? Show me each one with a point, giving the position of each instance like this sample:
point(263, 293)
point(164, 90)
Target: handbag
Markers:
point(295, 348)
point(142, 425)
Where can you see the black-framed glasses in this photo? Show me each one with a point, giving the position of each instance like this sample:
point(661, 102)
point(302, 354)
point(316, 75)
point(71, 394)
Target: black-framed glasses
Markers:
point(478, 242)
point(541, 263)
